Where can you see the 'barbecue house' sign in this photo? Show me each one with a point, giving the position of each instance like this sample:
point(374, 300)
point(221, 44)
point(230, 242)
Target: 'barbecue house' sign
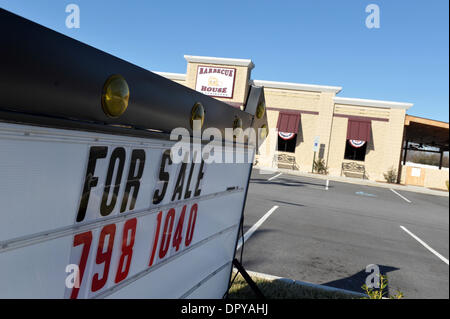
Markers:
point(215, 81)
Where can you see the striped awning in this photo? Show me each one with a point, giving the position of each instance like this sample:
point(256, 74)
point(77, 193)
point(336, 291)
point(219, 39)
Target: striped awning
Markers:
point(288, 122)
point(358, 130)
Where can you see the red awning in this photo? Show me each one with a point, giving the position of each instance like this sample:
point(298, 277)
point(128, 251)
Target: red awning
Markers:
point(358, 130)
point(288, 122)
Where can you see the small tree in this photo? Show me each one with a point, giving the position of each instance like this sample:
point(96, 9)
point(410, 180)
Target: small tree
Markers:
point(391, 176)
point(320, 167)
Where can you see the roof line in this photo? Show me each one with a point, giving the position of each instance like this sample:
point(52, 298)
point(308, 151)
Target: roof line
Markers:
point(424, 120)
point(297, 86)
point(172, 76)
point(222, 61)
point(372, 103)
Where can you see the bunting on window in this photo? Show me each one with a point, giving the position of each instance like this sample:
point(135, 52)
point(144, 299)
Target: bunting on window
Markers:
point(285, 135)
point(357, 143)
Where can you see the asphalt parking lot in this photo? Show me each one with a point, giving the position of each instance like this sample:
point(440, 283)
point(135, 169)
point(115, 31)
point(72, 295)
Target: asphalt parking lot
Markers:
point(329, 236)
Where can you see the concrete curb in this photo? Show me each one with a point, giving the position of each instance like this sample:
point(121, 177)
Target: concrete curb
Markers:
point(305, 284)
point(357, 181)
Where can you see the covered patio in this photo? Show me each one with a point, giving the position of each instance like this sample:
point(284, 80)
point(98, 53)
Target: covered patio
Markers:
point(428, 136)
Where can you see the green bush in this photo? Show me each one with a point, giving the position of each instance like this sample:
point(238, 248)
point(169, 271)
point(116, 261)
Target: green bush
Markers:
point(391, 176)
point(320, 167)
point(379, 293)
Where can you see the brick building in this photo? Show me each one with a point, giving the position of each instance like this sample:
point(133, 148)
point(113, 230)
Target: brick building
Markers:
point(354, 137)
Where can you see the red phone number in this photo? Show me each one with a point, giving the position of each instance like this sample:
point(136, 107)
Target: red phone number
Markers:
point(126, 254)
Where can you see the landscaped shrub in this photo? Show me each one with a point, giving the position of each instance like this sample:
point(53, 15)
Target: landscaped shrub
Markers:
point(320, 167)
point(391, 176)
point(380, 293)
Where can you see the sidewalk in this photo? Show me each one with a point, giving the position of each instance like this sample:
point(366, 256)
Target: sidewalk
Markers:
point(358, 181)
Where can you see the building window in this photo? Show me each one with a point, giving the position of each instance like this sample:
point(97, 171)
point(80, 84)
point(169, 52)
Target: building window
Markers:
point(287, 145)
point(355, 153)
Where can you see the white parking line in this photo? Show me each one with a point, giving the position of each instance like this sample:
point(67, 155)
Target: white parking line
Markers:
point(250, 232)
point(425, 245)
point(274, 177)
point(401, 196)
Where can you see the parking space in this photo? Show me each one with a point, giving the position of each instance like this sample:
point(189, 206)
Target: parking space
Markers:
point(330, 236)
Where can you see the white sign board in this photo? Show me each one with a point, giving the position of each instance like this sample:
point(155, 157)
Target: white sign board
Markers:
point(316, 143)
point(134, 223)
point(215, 81)
point(415, 171)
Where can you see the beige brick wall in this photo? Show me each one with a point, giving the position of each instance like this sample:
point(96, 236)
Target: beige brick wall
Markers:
point(378, 155)
point(305, 141)
point(377, 160)
point(393, 139)
point(268, 147)
point(383, 151)
point(289, 99)
point(324, 121)
point(308, 129)
point(337, 145)
point(435, 178)
point(356, 110)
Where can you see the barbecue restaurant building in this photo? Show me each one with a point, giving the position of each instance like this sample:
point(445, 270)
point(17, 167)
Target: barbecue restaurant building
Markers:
point(352, 137)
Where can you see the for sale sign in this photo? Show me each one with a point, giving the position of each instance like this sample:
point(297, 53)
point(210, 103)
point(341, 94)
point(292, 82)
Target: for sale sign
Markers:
point(215, 81)
point(91, 215)
point(96, 199)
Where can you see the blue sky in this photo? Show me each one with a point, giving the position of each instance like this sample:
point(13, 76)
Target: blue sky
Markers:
point(314, 42)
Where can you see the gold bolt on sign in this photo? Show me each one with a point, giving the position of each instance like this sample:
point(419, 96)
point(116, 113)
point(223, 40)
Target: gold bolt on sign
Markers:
point(263, 131)
point(237, 125)
point(115, 96)
point(261, 108)
point(197, 114)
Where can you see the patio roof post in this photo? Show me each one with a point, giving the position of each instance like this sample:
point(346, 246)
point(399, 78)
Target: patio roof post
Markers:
point(406, 151)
